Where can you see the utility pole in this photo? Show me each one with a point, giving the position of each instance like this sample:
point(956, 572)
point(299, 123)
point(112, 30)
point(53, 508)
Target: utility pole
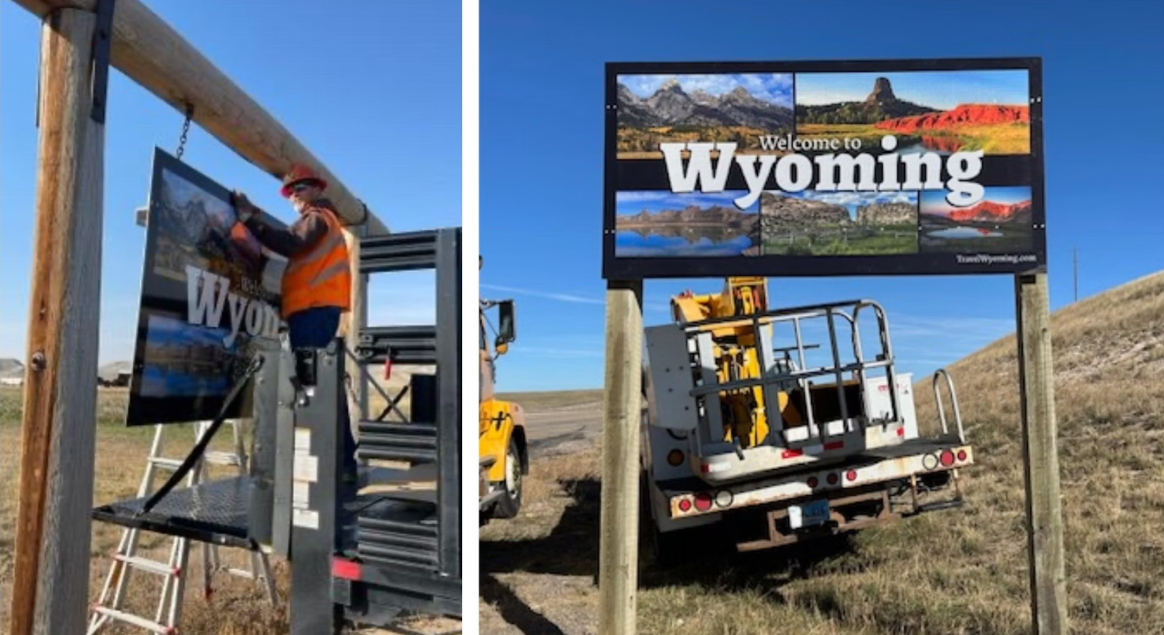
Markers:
point(1048, 581)
point(1075, 270)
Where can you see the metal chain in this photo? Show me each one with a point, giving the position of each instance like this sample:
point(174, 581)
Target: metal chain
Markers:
point(185, 130)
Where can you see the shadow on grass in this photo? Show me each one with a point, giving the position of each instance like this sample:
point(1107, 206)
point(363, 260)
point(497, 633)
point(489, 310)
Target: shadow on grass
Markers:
point(572, 549)
point(514, 611)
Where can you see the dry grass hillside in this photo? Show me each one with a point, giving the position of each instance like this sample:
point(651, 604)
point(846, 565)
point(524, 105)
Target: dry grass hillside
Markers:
point(956, 572)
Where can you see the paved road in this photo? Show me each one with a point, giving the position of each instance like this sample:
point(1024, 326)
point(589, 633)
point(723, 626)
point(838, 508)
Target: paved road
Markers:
point(564, 430)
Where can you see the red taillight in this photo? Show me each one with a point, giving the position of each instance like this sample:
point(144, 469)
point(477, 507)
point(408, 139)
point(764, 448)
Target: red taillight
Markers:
point(684, 505)
point(788, 454)
point(961, 455)
point(812, 482)
point(834, 445)
point(851, 475)
point(346, 569)
point(703, 501)
point(901, 432)
point(947, 458)
point(832, 478)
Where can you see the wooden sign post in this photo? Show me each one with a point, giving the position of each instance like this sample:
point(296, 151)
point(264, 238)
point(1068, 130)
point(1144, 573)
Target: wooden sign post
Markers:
point(1040, 456)
point(622, 415)
point(51, 587)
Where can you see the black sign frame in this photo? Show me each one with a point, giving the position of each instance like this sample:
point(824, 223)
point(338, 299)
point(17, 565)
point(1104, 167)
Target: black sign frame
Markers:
point(166, 298)
point(650, 175)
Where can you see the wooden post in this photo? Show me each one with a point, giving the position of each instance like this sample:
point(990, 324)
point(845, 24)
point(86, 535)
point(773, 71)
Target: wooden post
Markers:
point(51, 581)
point(1041, 457)
point(622, 409)
point(355, 321)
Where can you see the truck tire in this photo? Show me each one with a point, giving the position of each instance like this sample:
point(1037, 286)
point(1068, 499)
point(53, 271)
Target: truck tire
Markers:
point(664, 549)
point(510, 504)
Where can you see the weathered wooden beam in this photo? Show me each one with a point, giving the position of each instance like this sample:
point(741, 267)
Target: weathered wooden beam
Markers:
point(1040, 457)
point(622, 407)
point(150, 52)
point(353, 323)
point(51, 580)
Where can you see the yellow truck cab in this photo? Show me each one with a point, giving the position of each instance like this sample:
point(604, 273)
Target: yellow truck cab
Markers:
point(504, 457)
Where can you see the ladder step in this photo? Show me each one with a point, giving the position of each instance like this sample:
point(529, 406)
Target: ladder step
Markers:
point(153, 566)
point(222, 458)
point(211, 458)
point(140, 622)
point(172, 464)
point(242, 573)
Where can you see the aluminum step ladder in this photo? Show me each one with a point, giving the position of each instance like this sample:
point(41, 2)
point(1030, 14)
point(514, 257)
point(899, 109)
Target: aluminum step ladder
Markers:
point(110, 608)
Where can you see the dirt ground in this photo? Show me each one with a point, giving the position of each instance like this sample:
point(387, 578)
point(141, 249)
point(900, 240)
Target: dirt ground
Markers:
point(237, 606)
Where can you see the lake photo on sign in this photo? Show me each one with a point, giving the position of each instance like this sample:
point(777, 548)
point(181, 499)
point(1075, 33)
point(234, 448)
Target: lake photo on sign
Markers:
point(1000, 223)
point(663, 224)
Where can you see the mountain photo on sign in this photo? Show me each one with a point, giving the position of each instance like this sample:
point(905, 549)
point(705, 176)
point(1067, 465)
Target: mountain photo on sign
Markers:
point(200, 228)
point(928, 111)
point(1000, 223)
point(740, 108)
point(660, 223)
point(811, 223)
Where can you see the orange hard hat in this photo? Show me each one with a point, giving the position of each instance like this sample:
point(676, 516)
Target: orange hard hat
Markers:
point(298, 174)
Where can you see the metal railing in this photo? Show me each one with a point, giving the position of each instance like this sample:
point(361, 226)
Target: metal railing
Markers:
point(798, 371)
point(942, 408)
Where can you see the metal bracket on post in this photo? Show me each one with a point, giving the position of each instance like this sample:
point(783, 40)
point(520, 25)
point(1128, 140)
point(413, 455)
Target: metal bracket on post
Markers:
point(102, 45)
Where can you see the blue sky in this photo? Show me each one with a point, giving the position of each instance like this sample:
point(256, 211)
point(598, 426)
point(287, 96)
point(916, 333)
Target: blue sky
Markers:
point(775, 88)
point(542, 157)
point(934, 202)
point(375, 94)
point(937, 89)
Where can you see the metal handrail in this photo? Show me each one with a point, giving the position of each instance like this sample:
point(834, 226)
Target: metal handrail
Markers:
point(942, 408)
point(783, 377)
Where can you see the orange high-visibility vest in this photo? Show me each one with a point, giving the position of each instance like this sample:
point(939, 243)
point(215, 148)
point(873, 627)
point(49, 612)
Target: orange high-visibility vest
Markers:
point(320, 276)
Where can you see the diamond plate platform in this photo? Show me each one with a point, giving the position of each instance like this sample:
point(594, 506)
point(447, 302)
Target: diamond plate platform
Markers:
point(216, 512)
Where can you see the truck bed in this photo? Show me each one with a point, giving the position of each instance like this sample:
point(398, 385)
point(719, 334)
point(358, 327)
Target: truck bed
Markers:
point(870, 466)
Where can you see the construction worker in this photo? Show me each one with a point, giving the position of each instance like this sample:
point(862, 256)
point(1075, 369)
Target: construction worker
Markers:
point(317, 283)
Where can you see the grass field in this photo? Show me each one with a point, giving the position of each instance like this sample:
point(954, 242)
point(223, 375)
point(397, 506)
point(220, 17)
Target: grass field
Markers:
point(643, 143)
point(876, 241)
point(238, 606)
point(957, 572)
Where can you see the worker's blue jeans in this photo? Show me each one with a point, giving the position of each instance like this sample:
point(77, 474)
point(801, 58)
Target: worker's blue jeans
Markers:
point(316, 328)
